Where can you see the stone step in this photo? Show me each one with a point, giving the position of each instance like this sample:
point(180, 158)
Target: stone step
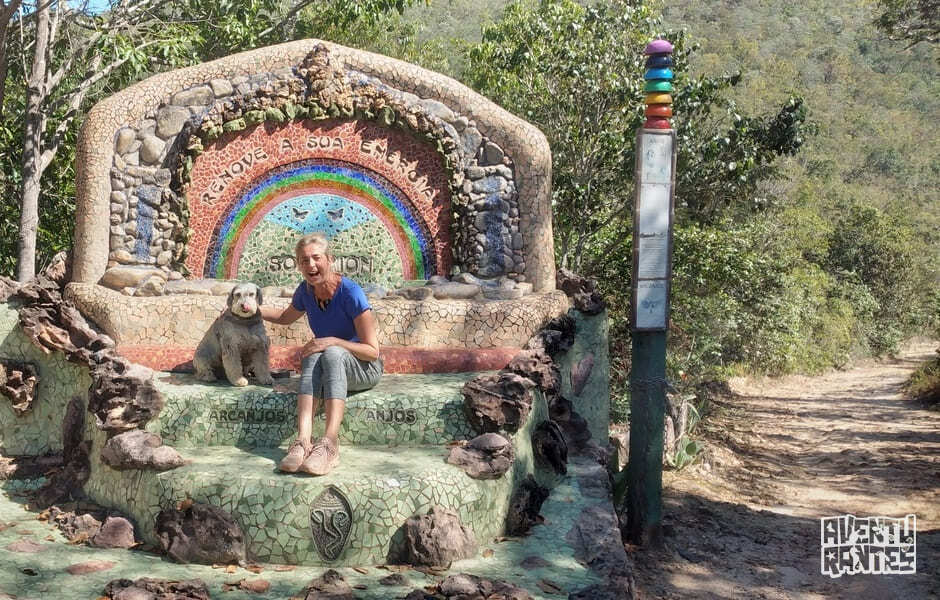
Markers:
point(400, 410)
point(368, 497)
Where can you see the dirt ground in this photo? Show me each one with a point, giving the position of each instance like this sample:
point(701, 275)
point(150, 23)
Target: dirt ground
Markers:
point(744, 523)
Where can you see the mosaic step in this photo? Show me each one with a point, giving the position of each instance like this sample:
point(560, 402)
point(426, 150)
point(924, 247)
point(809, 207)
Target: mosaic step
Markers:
point(397, 359)
point(401, 410)
point(366, 499)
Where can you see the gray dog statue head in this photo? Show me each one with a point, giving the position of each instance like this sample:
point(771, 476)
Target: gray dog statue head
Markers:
point(244, 300)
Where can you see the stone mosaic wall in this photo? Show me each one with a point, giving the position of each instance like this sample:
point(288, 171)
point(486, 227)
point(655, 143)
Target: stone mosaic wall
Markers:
point(177, 320)
point(498, 167)
point(39, 430)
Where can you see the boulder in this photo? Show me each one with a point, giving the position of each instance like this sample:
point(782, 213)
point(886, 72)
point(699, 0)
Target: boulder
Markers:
point(463, 585)
point(115, 532)
point(549, 446)
point(537, 365)
point(486, 456)
point(122, 276)
point(524, 506)
point(455, 291)
point(123, 396)
point(556, 336)
point(437, 539)
point(582, 291)
point(329, 586)
point(149, 588)
point(499, 401)
point(201, 533)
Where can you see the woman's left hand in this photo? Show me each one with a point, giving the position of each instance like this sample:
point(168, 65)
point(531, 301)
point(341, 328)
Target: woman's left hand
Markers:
point(318, 345)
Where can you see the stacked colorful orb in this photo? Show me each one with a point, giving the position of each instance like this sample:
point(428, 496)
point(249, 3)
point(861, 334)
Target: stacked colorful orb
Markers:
point(658, 86)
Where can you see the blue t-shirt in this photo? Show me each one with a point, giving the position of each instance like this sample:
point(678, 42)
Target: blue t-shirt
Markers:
point(348, 302)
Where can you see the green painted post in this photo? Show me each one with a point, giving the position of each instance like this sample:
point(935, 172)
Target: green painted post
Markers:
point(652, 270)
point(647, 413)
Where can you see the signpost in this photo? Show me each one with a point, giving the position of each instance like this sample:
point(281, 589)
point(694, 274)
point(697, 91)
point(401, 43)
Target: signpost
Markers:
point(652, 272)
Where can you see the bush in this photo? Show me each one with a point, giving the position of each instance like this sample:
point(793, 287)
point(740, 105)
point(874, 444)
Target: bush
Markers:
point(924, 384)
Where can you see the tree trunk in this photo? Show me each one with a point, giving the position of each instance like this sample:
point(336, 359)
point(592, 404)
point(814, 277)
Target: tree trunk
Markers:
point(32, 150)
point(6, 17)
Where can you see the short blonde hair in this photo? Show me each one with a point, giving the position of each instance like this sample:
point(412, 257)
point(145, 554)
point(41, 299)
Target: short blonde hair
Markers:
point(317, 238)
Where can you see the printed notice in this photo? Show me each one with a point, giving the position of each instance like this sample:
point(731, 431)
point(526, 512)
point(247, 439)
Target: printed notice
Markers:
point(653, 257)
point(651, 304)
point(656, 163)
point(653, 217)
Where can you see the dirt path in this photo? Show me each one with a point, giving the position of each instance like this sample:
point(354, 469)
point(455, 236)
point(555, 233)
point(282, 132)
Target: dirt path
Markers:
point(783, 453)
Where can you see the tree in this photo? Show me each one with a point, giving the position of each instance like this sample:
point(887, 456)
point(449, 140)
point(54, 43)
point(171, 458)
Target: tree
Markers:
point(73, 51)
point(78, 55)
point(910, 20)
point(576, 72)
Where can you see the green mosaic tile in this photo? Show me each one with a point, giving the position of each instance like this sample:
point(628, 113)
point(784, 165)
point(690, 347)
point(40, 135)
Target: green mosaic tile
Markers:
point(39, 430)
point(401, 409)
point(594, 401)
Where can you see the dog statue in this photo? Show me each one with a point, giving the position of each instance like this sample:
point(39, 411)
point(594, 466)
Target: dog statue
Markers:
point(236, 342)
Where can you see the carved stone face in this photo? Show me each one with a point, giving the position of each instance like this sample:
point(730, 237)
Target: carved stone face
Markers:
point(244, 300)
point(314, 264)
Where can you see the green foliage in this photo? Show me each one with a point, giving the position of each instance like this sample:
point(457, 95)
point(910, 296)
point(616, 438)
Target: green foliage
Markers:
point(924, 383)
point(576, 72)
point(910, 20)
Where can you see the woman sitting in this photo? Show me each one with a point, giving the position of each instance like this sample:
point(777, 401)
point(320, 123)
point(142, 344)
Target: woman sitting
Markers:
point(343, 355)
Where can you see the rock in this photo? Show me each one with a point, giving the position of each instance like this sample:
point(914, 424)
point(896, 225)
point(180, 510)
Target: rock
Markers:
point(200, 534)
point(164, 257)
point(497, 401)
point(221, 87)
point(556, 336)
point(455, 291)
point(595, 537)
point(534, 562)
point(415, 293)
point(222, 288)
point(329, 586)
point(550, 447)
point(18, 381)
point(153, 286)
point(118, 278)
point(170, 120)
point(73, 428)
point(539, 367)
point(151, 147)
point(199, 95)
point(492, 154)
point(437, 539)
point(66, 481)
point(395, 579)
point(582, 291)
point(77, 528)
point(372, 290)
point(123, 140)
point(115, 532)
point(470, 139)
point(91, 566)
point(255, 586)
point(486, 456)
point(464, 586)
point(122, 395)
point(524, 506)
point(138, 449)
point(438, 109)
point(148, 588)
point(573, 425)
point(581, 372)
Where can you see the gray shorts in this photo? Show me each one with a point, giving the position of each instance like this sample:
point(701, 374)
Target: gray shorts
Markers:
point(335, 372)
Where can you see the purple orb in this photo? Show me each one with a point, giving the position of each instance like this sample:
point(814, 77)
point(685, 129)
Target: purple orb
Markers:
point(658, 47)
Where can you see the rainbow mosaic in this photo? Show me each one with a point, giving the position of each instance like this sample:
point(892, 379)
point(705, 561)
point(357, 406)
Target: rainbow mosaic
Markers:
point(342, 200)
point(380, 195)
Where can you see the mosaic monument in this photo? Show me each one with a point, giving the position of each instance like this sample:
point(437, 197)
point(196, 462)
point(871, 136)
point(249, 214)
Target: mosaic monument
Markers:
point(436, 201)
